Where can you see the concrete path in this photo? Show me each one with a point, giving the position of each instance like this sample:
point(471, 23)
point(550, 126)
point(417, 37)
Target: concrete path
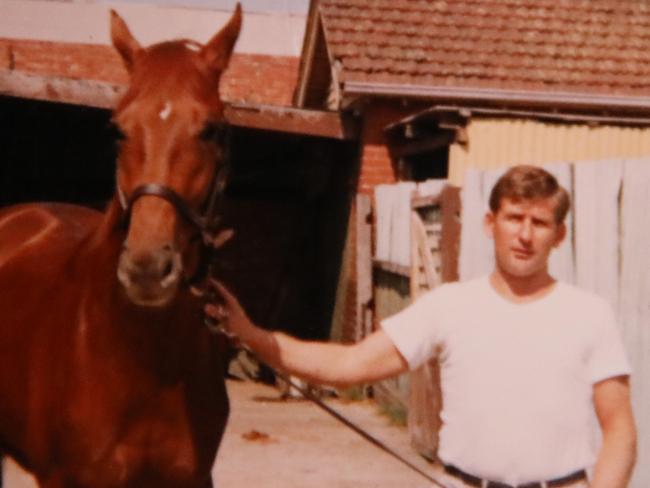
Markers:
point(271, 443)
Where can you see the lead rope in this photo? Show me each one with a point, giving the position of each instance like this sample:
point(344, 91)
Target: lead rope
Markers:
point(219, 329)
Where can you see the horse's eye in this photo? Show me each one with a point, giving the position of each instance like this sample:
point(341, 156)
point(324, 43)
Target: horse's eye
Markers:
point(214, 132)
point(116, 132)
point(209, 132)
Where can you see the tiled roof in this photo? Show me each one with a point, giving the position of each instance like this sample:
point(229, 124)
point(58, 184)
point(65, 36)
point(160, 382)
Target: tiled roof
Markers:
point(585, 46)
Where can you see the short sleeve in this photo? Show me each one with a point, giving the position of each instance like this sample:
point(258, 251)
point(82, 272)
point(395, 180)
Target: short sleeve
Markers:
point(416, 330)
point(608, 358)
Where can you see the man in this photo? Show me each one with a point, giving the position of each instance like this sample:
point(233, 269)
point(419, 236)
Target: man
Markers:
point(525, 361)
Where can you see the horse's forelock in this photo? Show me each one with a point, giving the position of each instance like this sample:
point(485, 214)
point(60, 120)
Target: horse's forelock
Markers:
point(172, 70)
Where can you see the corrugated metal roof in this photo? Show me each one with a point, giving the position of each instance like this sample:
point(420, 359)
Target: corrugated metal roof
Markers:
point(585, 46)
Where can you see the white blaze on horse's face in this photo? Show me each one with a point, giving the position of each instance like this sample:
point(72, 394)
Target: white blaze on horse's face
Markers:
point(172, 98)
point(166, 111)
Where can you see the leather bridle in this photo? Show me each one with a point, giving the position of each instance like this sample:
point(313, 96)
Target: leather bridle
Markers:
point(205, 223)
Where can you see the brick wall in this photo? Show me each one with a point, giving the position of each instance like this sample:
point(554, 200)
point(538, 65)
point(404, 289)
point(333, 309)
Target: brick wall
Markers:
point(377, 167)
point(260, 79)
point(77, 61)
point(250, 78)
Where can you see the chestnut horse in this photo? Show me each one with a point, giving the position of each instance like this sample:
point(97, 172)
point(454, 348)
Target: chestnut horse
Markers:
point(108, 376)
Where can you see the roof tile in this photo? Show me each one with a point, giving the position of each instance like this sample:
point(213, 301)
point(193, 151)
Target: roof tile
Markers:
point(595, 46)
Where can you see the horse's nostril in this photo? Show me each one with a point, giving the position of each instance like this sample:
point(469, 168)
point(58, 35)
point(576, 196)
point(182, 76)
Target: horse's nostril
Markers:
point(168, 269)
point(171, 270)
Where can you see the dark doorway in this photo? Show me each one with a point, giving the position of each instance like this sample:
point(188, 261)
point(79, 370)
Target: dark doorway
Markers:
point(55, 152)
point(289, 201)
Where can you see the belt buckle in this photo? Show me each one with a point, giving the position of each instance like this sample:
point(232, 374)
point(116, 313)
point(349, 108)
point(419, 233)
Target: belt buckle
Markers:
point(496, 484)
point(535, 484)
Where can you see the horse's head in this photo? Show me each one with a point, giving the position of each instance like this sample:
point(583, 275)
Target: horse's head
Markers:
point(169, 157)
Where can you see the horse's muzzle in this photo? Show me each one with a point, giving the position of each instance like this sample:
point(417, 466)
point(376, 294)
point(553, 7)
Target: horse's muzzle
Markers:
point(150, 279)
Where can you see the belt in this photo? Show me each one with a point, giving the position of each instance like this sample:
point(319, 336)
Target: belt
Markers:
point(472, 480)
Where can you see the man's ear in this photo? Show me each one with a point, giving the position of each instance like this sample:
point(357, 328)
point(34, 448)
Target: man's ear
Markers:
point(216, 53)
point(123, 41)
point(488, 224)
point(561, 234)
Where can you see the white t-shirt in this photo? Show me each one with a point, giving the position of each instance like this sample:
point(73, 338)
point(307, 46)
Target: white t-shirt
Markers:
point(516, 379)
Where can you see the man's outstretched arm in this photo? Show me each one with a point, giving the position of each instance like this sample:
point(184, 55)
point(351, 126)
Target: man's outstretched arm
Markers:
point(372, 359)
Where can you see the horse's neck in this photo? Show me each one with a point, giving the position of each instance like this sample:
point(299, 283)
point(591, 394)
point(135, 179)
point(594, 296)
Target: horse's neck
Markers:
point(109, 235)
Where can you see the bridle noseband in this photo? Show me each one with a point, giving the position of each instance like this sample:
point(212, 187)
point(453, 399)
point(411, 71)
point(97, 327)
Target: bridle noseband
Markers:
point(206, 223)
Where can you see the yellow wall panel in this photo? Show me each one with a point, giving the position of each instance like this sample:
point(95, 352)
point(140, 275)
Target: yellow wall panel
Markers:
point(495, 143)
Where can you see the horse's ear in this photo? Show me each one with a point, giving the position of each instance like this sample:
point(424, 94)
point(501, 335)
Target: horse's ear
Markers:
point(123, 40)
point(217, 51)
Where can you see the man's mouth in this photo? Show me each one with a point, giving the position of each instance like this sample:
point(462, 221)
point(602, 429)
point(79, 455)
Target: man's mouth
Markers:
point(522, 253)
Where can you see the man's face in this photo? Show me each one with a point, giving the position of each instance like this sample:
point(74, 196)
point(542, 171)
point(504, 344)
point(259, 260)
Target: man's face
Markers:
point(524, 232)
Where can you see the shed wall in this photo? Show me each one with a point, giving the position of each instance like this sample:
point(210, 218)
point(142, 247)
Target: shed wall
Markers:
point(495, 143)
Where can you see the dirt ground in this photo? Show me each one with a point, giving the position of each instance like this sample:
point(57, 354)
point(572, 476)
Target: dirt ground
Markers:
point(271, 443)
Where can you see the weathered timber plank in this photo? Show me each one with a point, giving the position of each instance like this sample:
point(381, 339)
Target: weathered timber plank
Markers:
point(364, 267)
point(597, 187)
point(634, 303)
point(98, 94)
point(424, 201)
point(286, 119)
point(424, 252)
point(390, 267)
point(450, 233)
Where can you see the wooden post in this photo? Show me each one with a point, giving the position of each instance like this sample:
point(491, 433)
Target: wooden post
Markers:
point(425, 398)
point(364, 267)
point(450, 237)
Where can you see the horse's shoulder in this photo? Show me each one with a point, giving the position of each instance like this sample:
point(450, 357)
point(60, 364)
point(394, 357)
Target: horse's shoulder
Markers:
point(36, 225)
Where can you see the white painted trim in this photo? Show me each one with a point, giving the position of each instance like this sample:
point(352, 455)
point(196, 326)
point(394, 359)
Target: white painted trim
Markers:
point(88, 23)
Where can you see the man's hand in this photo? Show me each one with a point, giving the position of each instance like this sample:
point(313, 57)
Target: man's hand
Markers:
point(370, 360)
point(228, 313)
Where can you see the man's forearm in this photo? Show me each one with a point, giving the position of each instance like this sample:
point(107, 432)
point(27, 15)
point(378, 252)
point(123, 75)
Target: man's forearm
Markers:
point(372, 359)
point(616, 458)
point(317, 362)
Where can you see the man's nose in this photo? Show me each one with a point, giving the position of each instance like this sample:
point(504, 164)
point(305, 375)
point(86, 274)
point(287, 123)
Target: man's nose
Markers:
point(526, 231)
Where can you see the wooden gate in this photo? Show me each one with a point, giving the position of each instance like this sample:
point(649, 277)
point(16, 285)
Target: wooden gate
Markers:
point(435, 228)
point(434, 224)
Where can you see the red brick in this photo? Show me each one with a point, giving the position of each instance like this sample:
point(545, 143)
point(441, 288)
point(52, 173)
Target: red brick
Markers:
point(249, 78)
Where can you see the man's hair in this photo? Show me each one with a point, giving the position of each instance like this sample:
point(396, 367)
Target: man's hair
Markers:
point(530, 183)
